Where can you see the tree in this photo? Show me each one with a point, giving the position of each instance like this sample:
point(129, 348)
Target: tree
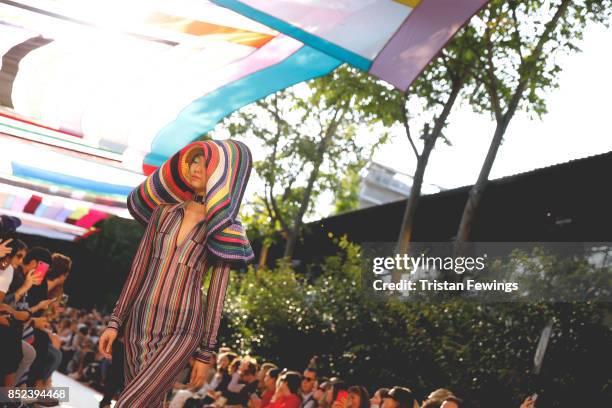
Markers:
point(425, 108)
point(438, 89)
point(517, 66)
point(309, 136)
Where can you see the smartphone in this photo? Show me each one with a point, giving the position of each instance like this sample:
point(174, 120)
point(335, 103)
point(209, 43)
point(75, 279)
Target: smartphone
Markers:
point(534, 397)
point(64, 300)
point(41, 270)
point(342, 395)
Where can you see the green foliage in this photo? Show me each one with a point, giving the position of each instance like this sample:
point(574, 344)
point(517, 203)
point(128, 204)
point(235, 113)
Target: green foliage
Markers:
point(347, 196)
point(308, 134)
point(519, 45)
point(484, 352)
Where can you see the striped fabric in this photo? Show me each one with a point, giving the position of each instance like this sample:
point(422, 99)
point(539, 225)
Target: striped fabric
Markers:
point(164, 319)
point(228, 166)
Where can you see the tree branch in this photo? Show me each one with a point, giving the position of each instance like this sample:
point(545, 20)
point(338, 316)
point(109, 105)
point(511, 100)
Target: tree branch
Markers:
point(407, 127)
point(532, 60)
point(491, 78)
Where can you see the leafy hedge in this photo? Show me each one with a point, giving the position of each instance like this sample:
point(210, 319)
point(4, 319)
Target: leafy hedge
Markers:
point(484, 352)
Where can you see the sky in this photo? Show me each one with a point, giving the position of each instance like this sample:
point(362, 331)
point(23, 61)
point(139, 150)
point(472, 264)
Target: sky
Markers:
point(577, 125)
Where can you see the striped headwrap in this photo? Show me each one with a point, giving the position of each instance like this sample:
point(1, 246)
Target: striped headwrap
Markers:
point(228, 167)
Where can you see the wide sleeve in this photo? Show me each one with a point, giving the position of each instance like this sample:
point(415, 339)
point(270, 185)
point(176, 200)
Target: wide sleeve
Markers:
point(136, 274)
point(214, 307)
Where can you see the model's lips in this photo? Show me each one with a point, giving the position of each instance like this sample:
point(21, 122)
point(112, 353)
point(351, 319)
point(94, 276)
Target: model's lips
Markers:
point(196, 177)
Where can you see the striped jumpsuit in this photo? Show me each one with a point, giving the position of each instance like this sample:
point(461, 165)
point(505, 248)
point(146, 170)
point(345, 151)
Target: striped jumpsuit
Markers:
point(162, 309)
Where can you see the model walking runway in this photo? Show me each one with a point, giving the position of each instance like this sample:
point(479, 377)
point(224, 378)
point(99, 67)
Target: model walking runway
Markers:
point(161, 307)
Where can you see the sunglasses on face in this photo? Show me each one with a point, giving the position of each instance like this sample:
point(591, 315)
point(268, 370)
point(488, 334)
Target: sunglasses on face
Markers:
point(308, 379)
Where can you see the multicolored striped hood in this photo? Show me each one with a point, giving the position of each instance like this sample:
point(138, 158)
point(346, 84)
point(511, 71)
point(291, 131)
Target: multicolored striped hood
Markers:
point(228, 166)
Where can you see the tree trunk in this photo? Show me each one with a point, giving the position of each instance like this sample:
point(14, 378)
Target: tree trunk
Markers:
point(405, 235)
point(263, 255)
point(297, 222)
point(477, 190)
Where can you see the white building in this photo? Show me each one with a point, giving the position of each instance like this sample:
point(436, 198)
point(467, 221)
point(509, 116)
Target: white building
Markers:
point(381, 184)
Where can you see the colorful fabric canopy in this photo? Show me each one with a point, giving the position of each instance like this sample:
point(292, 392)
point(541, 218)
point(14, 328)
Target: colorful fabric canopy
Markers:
point(140, 78)
point(60, 193)
point(228, 167)
point(392, 39)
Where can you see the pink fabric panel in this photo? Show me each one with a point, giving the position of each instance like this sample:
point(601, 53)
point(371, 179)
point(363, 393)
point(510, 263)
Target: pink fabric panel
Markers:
point(424, 33)
point(91, 218)
point(271, 53)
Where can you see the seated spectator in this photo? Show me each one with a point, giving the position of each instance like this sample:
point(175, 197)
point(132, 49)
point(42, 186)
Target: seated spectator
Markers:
point(452, 402)
point(233, 386)
point(377, 399)
point(287, 391)
point(269, 390)
point(320, 393)
point(308, 387)
point(358, 397)
point(400, 397)
point(248, 378)
point(261, 375)
point(436, 398)
point(333, 389)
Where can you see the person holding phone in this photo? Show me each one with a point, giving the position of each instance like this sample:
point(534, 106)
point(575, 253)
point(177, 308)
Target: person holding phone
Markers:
point(21, 353)
point(161, 308)
point(48, 278)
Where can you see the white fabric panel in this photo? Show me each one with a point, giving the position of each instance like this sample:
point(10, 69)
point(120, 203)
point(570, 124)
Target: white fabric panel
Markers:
point(341, 21)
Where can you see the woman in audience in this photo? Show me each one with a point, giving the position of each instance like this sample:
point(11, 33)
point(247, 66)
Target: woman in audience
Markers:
point(287, 393)
point(377, 399)
point(269, 383)
point(358, 397)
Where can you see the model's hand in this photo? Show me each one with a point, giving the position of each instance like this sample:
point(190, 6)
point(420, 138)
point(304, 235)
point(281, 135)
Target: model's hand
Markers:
point(105, 345)
point(198, 374)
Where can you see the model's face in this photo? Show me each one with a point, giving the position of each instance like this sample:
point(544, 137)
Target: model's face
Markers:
point(18, 258)
point(197, 174)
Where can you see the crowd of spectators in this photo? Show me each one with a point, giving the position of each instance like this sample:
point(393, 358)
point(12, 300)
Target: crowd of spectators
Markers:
point(39, 334)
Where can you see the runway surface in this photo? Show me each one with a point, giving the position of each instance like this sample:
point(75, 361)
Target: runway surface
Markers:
point(80, 395)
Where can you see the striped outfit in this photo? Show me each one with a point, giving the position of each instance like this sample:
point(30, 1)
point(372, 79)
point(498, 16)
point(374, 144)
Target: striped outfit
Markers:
point(161, 306)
